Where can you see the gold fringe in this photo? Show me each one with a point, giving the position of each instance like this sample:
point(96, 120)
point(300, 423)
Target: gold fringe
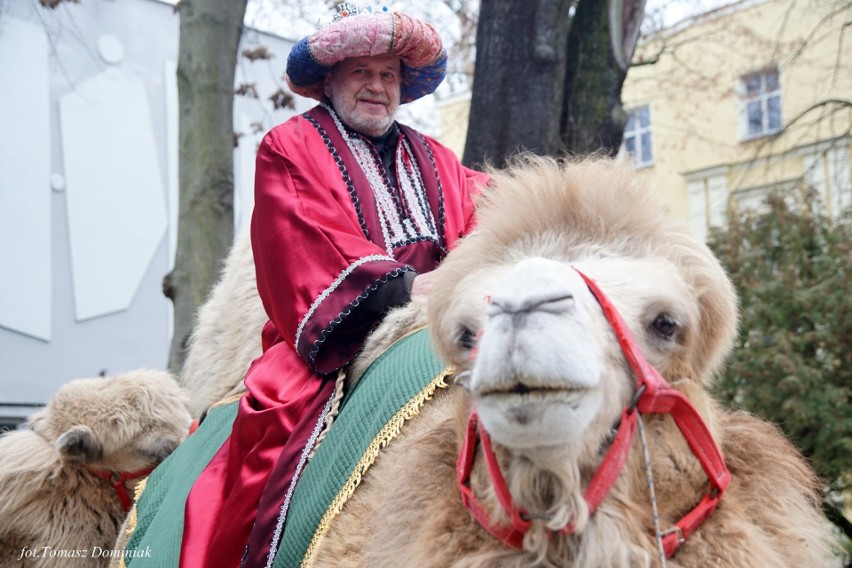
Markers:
point(132, 518)
point(385, 436)
point(140, 487)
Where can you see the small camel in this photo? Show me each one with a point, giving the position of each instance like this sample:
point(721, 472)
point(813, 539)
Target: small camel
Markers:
point(66, 483)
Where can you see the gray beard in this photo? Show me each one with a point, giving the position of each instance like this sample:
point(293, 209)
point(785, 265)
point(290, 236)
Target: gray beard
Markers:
point(366, 126)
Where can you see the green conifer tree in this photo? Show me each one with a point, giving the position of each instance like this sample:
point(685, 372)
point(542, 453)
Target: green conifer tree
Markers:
point(792, 364)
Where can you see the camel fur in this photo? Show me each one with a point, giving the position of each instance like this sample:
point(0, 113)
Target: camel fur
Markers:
point(549, 382)
point(226, 335)
point(535, 356)
point(53, 510)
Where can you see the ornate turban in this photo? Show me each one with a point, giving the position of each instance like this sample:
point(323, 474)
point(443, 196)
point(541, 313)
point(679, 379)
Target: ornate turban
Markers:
point(416, 43)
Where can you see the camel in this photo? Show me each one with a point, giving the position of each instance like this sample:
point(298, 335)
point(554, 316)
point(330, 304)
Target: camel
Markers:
point(226, 335)
point(582, 327)
point(512, 310)
point(67, 482)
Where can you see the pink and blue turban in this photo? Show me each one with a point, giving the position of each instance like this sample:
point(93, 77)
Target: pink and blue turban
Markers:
point(416, 43)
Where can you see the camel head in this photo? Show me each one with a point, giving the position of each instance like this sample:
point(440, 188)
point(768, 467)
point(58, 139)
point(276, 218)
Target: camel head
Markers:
point(123, 423)
point(511, 311)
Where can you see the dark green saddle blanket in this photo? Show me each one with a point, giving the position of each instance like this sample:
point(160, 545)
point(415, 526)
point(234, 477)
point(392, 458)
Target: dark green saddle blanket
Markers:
point(392, 391)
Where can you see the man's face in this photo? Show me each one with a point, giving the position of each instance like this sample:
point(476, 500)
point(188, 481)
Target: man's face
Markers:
point(365, 92)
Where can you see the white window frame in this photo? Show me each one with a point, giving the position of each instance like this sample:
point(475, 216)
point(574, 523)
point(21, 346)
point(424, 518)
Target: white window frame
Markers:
point(708, 200)
point(753, 199)
point(636, 134)
point(827, 169)
point(762, 97)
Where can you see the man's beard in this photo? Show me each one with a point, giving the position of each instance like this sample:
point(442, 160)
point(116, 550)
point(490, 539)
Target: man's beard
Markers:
point(353, 119)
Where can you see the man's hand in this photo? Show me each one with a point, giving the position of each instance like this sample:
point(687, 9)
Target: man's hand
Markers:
point(422, 284)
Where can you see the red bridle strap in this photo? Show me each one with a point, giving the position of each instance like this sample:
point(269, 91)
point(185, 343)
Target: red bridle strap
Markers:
point(658, 397)
point(512, 536)
point(118, 478)
point(654, 395)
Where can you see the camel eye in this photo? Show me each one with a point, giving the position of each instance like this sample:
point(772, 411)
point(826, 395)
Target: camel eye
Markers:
point(466, 338)
point(665, 326)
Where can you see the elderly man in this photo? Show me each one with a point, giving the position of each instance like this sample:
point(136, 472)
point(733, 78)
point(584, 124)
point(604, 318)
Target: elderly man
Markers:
point(351, 211)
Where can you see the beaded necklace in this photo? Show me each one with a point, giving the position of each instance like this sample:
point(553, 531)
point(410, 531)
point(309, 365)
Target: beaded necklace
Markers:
point(397, 229)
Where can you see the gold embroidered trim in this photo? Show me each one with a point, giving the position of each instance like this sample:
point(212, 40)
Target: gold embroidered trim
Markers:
point(132, 519)
point(385, 436)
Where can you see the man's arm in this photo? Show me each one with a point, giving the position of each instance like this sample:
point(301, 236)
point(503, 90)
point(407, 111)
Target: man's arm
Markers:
point(315, 267)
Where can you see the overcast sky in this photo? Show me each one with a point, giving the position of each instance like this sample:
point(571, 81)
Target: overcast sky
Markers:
point(673, 11)
point(297, 18)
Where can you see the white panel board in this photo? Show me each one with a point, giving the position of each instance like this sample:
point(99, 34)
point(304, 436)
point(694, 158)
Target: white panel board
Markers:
point(116, 200)
point(25, 195)
point(170, 92)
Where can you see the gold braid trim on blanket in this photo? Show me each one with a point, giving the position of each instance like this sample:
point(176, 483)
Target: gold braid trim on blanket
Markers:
point(385, 436)
point(339, 391)
point(132, 518)
point(341, 388)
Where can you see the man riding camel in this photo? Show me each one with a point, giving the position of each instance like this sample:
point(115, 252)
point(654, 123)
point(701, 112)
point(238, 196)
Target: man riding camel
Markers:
point(352, 211)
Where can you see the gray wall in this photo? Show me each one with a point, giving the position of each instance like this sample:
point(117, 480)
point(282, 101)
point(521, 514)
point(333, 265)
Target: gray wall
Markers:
point(99, 214)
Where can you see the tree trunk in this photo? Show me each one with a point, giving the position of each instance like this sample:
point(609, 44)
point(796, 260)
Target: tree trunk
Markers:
point(547, 79)
point(593, 118)
point(519, 78)
point(209, 42)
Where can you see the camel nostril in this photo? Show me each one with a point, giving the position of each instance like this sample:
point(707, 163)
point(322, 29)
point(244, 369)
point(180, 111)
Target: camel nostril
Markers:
point(554, 302)
point(558, 304)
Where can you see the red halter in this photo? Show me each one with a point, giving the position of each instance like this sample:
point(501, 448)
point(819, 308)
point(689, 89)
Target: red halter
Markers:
point(653, 395)
point(117, 478)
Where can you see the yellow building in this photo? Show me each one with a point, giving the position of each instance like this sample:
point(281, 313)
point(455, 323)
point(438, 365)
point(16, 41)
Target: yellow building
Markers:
point(740, 101)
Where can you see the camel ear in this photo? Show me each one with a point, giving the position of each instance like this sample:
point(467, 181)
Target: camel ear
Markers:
point(463, 380)
point(79, 444)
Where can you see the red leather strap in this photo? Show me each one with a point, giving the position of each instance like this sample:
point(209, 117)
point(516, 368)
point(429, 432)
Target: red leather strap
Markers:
point(654, 396)
point(505, 534)
point(659, 397)
point(117, 479)
point(610, 469)
point(500, 488)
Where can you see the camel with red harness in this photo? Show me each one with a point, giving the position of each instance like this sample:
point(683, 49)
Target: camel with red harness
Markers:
point(585, 327)
point(560, 415)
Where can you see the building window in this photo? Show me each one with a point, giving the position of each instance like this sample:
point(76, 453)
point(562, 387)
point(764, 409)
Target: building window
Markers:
point(761, 104)
point(637, 136)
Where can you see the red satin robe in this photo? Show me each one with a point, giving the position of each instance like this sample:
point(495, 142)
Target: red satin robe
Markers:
point(321, 249)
